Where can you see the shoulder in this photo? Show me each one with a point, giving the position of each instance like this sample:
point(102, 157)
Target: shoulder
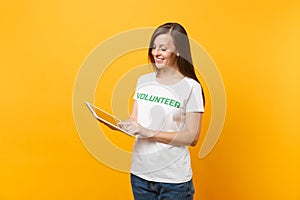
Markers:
point(192, 83)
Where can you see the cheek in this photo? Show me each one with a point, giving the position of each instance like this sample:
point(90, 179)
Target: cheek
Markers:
point(171, 57)
point(168, 55)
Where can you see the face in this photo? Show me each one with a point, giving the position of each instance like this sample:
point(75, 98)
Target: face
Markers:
point(164, 51)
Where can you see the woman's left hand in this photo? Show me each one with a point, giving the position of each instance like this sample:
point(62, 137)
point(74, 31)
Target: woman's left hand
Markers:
point(134, 128)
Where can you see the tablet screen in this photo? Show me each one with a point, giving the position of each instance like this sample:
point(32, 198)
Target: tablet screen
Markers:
point(105, 117)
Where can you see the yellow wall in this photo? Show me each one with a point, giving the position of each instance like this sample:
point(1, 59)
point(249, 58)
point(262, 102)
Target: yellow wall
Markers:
point(255, 45)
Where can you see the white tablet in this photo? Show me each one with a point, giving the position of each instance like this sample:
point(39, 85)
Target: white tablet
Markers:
point(106, 118)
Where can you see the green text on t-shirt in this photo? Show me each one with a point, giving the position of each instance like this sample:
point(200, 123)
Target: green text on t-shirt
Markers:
point(156, 99)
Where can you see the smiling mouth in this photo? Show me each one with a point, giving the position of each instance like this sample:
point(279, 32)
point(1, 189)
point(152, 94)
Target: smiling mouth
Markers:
point(158, 60)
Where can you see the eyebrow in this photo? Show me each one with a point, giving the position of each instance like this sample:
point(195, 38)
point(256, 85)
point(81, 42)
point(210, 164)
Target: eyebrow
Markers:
point(161, 44)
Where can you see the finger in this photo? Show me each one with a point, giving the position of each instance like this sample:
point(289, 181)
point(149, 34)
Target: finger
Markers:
point(132, 129)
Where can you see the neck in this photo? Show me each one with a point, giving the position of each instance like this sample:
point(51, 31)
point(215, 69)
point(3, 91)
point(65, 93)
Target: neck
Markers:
point(168, 75)
point(168, 72)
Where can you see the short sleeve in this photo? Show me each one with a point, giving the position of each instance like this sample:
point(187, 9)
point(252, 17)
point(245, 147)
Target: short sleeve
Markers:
point(195, 102)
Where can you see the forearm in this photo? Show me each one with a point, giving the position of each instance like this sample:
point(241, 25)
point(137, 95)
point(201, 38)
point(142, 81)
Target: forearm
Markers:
point(183, 138)
point(187, 137)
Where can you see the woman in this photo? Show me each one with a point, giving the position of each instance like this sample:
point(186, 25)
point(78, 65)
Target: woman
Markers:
point(166, 116)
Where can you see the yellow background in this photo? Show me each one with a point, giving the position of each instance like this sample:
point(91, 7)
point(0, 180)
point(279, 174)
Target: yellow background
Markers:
point(255, 45)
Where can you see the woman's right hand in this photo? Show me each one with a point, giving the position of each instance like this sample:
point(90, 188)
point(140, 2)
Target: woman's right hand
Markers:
point(136, 129)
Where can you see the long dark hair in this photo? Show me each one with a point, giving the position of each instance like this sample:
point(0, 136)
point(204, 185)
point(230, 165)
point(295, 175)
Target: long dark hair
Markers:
point(181, 42)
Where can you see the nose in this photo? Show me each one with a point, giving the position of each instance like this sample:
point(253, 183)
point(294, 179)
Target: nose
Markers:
point(155, 51)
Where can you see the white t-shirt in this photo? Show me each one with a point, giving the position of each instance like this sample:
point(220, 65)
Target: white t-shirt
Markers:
point(162, 108)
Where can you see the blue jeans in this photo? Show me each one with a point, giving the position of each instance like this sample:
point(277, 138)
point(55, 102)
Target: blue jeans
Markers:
point(149, 190)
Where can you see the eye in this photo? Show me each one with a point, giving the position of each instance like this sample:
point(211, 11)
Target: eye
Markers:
point(164, 48)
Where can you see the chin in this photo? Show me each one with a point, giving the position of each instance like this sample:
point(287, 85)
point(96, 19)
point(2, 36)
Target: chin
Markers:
point(160, 65)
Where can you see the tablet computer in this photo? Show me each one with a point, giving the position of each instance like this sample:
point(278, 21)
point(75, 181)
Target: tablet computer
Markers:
point(106, 118)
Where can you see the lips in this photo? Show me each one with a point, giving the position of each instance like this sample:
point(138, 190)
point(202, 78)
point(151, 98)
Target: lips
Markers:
point(158, 60)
